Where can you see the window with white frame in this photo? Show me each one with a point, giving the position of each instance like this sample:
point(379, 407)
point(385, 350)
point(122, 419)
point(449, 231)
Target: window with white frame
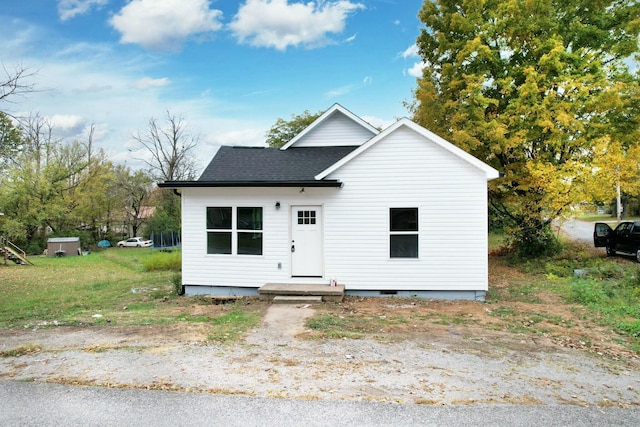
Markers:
point(403, 232)
point(234, 231)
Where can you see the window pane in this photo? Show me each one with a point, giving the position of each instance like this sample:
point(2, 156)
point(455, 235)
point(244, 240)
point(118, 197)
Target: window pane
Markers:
point(249, 218)
point(218, 243)
point(404, 246)
point(249, 243)
point(403, 219)
point(219, 218)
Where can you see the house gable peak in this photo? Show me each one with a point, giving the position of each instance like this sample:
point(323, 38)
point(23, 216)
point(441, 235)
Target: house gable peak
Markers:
point(335, 127)
point(490, 172)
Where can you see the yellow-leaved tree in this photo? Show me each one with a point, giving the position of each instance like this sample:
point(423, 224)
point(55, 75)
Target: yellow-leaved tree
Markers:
point(532, 88)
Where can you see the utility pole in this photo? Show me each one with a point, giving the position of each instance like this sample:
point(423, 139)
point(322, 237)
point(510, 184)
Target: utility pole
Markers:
point(3, 244)
point(618, 203)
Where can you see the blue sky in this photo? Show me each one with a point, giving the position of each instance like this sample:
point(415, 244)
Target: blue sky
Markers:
point(230, 68)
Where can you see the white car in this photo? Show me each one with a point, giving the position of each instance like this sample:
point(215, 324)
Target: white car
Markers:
point(135, 242)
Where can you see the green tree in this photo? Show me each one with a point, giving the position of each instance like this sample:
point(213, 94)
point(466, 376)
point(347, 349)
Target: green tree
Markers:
point(167, 215)
point(283, 131)
point(616, 156)
point(53, 187)
point(529, 87)
point(134, 190)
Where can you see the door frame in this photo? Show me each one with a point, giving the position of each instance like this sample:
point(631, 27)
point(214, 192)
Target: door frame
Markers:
point(601, 234)
point(320, 221)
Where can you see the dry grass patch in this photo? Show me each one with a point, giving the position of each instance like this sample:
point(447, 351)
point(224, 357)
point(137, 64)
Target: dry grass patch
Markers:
point(21, 350)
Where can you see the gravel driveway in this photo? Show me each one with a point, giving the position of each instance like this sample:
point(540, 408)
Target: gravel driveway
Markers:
point(445, 369)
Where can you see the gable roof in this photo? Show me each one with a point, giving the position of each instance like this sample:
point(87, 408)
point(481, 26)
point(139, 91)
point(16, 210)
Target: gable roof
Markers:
point(267, 167)
point(324, 117)
point(490, 172)
point(308, 165)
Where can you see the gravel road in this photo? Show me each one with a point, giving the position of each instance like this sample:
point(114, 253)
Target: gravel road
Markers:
point(578, 230)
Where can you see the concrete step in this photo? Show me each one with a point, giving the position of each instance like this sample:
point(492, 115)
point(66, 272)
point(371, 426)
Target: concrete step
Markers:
point(296, 299)
point(328, 293)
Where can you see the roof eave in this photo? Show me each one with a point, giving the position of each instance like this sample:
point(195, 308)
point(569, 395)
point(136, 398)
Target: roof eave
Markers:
point(331, 183)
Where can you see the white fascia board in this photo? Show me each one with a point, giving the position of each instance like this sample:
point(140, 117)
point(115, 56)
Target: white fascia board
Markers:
point(488, 170)
point(334, 108)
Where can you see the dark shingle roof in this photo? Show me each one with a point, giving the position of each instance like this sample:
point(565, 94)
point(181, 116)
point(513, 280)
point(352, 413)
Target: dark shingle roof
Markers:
point(270, 165)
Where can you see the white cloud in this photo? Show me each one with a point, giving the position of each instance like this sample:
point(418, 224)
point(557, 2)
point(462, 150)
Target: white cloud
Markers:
point(416, 70)
point(66, 121)
point(378, 122)
point(68, 9)
point(411, 51)
point(278, 24)
point(165, 24)
point(67, 125)
point(246, 137)
point(147, 82)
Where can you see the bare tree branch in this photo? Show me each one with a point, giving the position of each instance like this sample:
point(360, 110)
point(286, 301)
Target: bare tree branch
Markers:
point(15, 83)
point(38, 138)
point(170, 149)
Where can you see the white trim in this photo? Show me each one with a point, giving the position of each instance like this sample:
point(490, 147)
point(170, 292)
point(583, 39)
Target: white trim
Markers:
point(336, 108)
point(405, 233)
point(234, 231)
point(488, 170)
point(319, 261)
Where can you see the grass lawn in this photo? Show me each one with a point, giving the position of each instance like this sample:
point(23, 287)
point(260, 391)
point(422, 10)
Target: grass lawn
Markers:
point(604, 218)
point(112, 284)
point(541, 297)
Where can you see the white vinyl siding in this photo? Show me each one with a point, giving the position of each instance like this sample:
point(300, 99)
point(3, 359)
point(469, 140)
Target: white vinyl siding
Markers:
point(402, 170)
point(199, 268)
point(339, 131)
point(451, 198)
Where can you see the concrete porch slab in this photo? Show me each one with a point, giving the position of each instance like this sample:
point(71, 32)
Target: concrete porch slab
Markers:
point(328, 293)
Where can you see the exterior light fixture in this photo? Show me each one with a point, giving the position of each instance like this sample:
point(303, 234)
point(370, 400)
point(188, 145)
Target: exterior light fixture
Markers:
point(277, 206)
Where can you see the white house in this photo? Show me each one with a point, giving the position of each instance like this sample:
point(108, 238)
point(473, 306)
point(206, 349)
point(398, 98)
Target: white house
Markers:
point(393, 212)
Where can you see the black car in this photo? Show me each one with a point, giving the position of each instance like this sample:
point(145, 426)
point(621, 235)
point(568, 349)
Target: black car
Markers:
point(624, 240)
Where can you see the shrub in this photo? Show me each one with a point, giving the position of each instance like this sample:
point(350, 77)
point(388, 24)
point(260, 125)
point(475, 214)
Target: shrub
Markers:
point(171, 261)
point(176, 281)
point(534, 242)
point(34, 248)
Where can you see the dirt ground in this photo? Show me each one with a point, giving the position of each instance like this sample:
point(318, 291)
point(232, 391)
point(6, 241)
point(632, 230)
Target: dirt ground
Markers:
point(411, 351)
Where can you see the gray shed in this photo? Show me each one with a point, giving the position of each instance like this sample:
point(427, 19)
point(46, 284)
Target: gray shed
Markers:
point(63, 246)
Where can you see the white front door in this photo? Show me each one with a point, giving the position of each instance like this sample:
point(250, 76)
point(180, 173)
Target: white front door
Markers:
point(306, 241)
